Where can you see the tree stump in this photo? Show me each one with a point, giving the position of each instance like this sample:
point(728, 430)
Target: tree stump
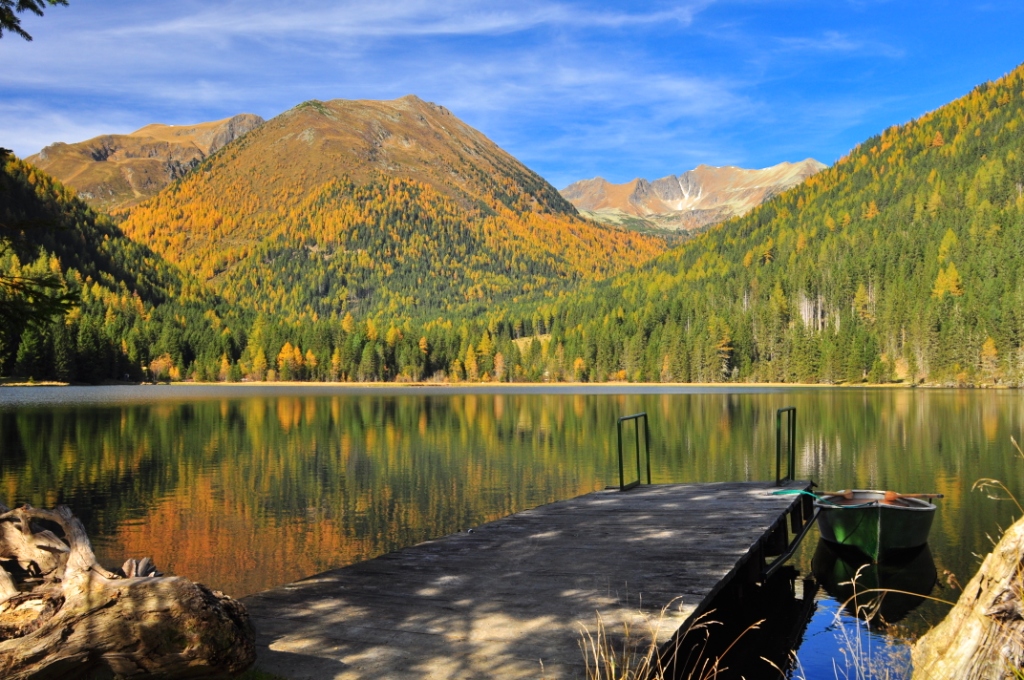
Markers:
point(982, 637)
point(62, 615)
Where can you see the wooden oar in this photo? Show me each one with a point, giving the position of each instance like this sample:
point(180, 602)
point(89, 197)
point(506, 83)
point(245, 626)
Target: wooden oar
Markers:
point(848, 494)
point(892, 495)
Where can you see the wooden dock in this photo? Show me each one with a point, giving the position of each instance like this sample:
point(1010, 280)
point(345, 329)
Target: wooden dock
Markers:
point(512, 598)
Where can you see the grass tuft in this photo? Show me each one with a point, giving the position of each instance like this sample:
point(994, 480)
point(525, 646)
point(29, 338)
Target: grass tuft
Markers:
point(637, 657)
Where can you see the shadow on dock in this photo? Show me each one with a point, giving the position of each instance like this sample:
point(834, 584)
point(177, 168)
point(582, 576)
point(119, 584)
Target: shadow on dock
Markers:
point(513, 598)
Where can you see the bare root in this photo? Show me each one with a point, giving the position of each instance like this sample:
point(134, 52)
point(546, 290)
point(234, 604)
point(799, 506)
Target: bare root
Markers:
point(63, 615)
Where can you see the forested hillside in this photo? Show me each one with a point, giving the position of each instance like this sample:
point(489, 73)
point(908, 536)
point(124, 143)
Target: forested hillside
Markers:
point(140, 317)
point(904, 261)
point(132, 305)
point(395, 210)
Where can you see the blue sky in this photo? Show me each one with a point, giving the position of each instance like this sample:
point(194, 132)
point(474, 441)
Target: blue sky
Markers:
point(573, 89)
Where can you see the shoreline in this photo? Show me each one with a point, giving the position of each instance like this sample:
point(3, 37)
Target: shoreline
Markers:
point(503, 386)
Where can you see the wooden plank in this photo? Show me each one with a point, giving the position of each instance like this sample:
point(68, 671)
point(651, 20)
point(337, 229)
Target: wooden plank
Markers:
point(513, 598)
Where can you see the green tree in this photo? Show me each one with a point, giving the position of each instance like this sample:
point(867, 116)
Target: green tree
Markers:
point(30, 359)
point(27, 299)
point(10, 9)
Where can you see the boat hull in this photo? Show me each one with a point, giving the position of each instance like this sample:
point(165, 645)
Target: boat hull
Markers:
point(872, 526)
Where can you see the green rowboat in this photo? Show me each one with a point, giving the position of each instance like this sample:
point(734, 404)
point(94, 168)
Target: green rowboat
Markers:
point(879, 524)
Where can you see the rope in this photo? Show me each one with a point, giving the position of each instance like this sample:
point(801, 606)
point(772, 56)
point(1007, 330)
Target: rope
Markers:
point(821, 499)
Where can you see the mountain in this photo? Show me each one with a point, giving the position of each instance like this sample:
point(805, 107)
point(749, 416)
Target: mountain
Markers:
point(375, 207)
point(902, 262)
point(115, 171)
point(699, 197)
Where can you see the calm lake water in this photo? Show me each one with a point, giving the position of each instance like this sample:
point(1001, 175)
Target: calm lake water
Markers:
point(246, 487)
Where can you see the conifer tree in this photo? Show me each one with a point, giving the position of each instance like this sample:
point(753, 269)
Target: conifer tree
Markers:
point(9, 10)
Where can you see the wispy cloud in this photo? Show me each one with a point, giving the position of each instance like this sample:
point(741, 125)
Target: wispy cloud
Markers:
point(506, 85)
point(27, 127)
point(408, 18)
point(573, 88)
point(836, 42)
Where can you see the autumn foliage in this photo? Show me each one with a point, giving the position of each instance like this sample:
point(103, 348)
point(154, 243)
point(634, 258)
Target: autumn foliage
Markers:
point(903, 262)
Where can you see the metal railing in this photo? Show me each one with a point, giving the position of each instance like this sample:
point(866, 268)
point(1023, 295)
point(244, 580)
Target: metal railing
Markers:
point(790, 412)
point(647, 449)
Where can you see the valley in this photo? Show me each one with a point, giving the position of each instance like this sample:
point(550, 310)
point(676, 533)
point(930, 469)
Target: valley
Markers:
point(389, 241)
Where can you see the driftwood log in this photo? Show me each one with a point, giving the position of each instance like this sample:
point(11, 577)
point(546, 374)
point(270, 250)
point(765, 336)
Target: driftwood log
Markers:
point(62, 615)
point(982, 637)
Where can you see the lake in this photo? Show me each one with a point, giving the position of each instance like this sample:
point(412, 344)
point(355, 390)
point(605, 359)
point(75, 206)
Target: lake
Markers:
point(246, 487)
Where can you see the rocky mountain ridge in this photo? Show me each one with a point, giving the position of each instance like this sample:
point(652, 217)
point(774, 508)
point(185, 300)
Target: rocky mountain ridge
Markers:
point(116, 171)
point(694, 199)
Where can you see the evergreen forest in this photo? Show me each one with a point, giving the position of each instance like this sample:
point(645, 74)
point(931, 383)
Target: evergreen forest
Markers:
point(904, 262)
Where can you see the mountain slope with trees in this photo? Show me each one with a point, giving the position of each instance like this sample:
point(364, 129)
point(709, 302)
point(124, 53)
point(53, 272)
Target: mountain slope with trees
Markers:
point(134, 310)
point(389, 209)
point(904, 261)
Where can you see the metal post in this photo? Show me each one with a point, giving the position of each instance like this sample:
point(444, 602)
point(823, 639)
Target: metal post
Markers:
point(647, 445)
point(636, 439)
point(790, 412)
point(622, 473)
point(647, 448)
point(778, 447)
point(792, 444)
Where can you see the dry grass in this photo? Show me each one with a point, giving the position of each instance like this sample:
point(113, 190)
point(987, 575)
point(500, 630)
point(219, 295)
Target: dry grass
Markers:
point(1012, 638)
point(865, 656)
point(633, 656)
point(995, 489)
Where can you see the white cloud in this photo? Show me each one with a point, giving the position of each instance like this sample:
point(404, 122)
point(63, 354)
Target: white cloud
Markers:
point(837, 42)
point(603, 87)
point(401, 18)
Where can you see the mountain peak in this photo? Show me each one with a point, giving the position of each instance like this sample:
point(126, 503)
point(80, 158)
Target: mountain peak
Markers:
point(367, 198)
point(696, 198)
point(407, 138)
point(208, 137)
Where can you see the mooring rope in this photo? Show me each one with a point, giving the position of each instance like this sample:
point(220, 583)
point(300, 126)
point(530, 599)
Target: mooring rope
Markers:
point(821, 499)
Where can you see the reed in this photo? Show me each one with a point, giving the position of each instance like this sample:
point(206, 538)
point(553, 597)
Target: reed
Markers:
point(867, 656)
point(864, 654)
point(996, 489)
point(633, 656)
point(1010, 635)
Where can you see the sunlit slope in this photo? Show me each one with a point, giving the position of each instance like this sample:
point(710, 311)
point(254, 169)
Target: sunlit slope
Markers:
point(48, 221)
point(904, 261)
point(393, 207)
point(699, 197)
point(114, 171)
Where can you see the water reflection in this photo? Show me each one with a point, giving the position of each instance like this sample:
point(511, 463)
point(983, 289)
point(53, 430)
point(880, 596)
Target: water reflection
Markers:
point(245, 487)
point(878, 592)
point(770, 620)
